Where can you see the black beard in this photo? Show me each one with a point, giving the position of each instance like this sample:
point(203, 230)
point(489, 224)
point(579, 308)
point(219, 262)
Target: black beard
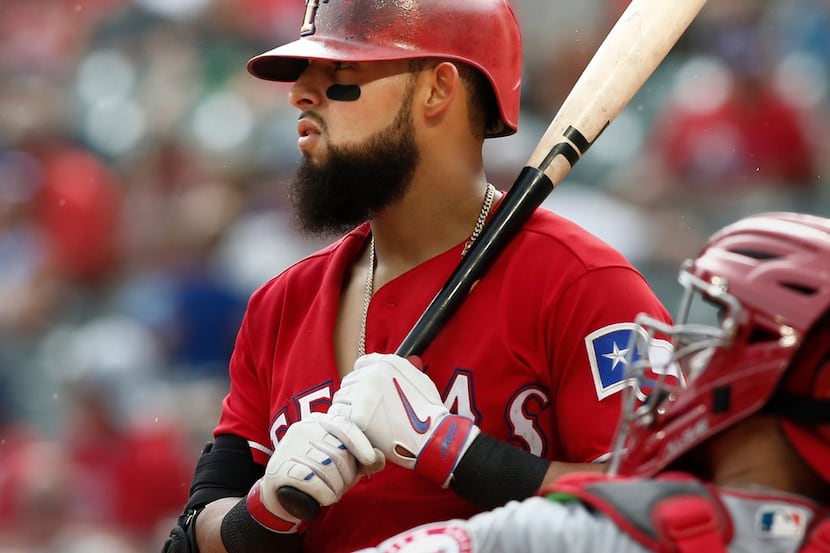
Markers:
point(357, 181)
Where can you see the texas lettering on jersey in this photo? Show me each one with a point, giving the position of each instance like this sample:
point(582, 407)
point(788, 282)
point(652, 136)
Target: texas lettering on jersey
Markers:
point(458, 398)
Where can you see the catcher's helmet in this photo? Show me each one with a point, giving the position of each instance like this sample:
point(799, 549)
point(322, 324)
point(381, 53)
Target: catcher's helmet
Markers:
point(482, 33)
point(767, 346)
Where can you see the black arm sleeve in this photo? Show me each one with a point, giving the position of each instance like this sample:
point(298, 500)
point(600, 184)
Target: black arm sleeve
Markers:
point(227, 469)
point(242, 534)
point(493, 472)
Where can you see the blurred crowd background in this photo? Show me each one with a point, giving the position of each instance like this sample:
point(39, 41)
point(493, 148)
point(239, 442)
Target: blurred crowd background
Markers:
point(142, 199)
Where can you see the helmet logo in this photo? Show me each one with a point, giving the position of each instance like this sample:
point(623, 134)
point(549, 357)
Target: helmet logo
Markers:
point(310, 14)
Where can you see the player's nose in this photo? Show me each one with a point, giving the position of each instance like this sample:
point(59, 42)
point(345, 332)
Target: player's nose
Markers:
point(308, 90)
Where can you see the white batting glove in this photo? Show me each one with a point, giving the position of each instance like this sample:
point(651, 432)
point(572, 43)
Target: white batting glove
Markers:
point(314, 461)
point(399, 409)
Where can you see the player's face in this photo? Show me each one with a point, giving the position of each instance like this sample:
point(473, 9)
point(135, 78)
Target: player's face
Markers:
point(345, 104)
point(341, 183)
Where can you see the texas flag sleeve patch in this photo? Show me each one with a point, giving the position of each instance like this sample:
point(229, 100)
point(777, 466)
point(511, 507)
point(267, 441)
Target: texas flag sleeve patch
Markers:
point(609, 358)
point(607, 351)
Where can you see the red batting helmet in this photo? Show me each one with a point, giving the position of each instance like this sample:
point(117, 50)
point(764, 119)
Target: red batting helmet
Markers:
point(482, 33)
point(766, 282)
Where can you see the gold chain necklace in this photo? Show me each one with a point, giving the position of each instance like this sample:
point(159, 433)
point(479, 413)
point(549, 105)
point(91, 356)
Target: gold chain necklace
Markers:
point(368, 288)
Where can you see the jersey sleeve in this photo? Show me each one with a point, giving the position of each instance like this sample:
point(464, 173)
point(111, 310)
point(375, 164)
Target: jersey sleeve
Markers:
point(593, 321)
point(245, 409)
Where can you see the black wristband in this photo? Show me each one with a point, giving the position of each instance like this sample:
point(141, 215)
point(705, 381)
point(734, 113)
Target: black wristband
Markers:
point(493, 472)
point(242, 534)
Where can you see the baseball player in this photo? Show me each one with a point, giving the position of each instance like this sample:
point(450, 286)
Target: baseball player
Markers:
point(752, 424)
point(395, 100)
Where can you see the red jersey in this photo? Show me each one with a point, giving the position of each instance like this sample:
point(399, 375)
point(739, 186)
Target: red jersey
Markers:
point(533, 356)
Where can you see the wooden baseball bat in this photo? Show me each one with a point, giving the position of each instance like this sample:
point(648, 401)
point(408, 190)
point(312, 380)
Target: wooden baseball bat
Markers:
point(637, 43)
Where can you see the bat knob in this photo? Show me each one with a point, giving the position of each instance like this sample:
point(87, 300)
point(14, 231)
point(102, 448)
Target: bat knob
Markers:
point(298, 503)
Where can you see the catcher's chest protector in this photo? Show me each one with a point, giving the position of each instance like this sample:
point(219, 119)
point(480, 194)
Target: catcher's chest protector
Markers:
point(670, 514)
point(818, 541)
point(673, 513)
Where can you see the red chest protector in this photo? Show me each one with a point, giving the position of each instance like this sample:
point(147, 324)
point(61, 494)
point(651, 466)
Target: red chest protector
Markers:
point(819, 538)
point(672, 513)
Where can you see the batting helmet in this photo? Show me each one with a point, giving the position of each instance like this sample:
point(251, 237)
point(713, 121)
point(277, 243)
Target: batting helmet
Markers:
point(482, 33)
point(765, 281)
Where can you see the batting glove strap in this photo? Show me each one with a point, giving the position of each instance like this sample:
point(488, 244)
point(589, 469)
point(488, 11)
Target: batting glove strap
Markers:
point(444, 448)
point(260, 513)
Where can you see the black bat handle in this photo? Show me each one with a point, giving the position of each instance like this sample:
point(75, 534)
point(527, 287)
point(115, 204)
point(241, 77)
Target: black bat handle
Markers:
point(532, 186)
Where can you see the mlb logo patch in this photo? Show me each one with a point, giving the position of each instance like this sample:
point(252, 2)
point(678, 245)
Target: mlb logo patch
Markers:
point(607, 350)
point(781, 521)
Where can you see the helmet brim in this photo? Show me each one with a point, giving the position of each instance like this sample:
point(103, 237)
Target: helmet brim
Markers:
point(285, 63)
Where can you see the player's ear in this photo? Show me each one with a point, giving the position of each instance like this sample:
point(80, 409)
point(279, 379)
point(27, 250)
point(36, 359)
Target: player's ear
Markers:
point(444, 83)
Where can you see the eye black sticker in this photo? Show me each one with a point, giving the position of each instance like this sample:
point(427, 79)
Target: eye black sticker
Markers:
point(343, 92)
